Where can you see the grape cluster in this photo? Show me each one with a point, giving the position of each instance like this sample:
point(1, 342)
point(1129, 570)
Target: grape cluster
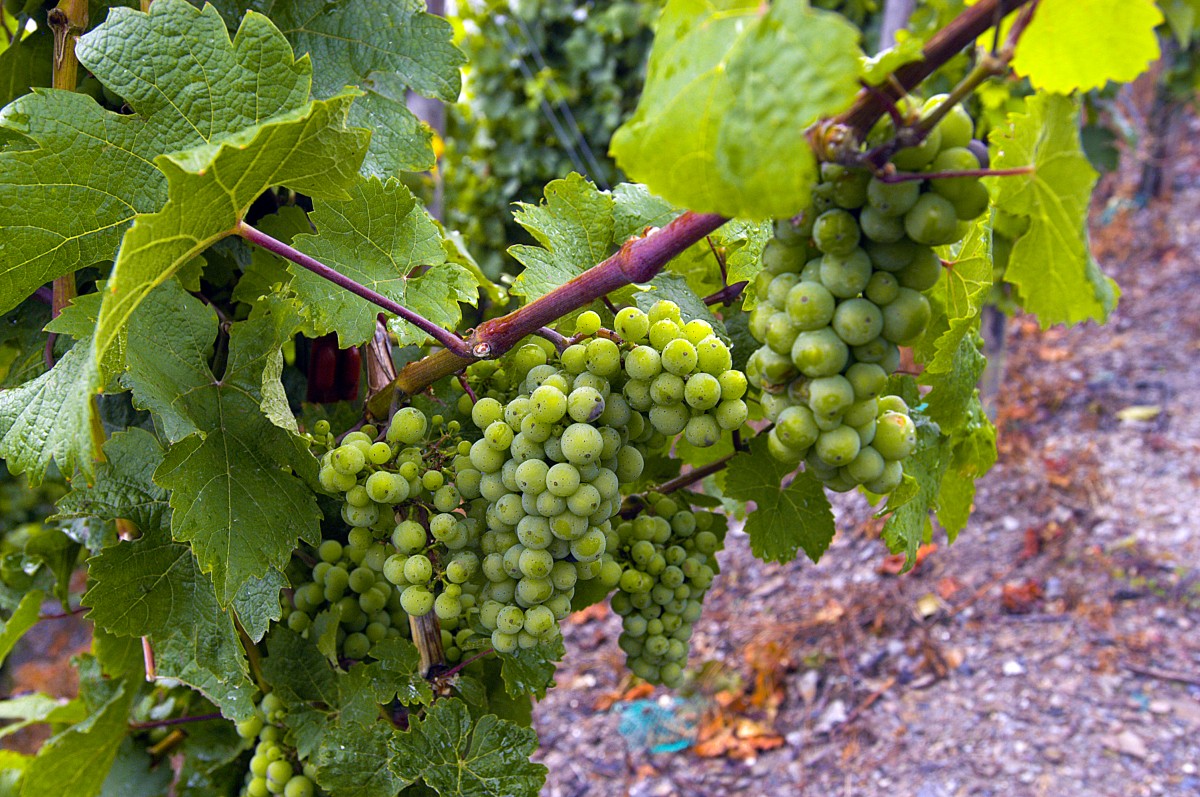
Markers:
point(553, 457)
point(668, 560)
point(408, 550)
point(841, 289)
point(273, 768)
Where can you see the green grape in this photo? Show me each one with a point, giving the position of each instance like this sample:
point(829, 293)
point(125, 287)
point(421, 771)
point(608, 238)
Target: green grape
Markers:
point(582, 443)
point(916, 158)
point(810, 305)
point(298, 786)
point(386, 488)
point(713, 356)
point(347, 460)
point(819, 352)
point(702, 430)
point(780, 332)
point(830, 395)
point(895, 436)
point(418, 569)
point(932, 221)
point(249, 727)
point(857, 321)
point(549, 405)
point(321, 428)
point(587, 323)
point(836, 232)
point(891, 257)
point(631, 324)
point(892, 404)
point(416, 600)
point(882, 288)
point(667, 389)
point(447, 607)
point(881, 228)
point(679, 357)
point(540, 621)
point(356, 646)
point(446, 498)
point(257, 787)
point(733, 384)
point(408, 426)
point(663, 332)
point(503, 642)
point(956, 126)
point(893, 475)
point(905, 319)
point(846, 275)
point(892, 199)
point(702, 391)
point(670, 419)
point(789, 233)
point(329, 551)
point(973, 203)
point(603, 357)
point(955, 159)
point(777, 289)
point(922, 273)
point(280, 772)
point(432, 480)
point(838, 446)
point(796, 428)
point(486, 412)
point(562, 479)
point(585, 404)
point(867, 379)
point(867, 466)
point(379, 453)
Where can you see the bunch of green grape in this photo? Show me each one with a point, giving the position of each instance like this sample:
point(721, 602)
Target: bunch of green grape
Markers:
point(679, 374)
point(553, 456)
point(668, 561)
point(409, 546)
point(274, 769)
point(841, 289)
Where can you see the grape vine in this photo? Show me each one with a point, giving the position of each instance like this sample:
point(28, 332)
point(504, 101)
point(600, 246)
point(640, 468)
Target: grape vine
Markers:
point(335, 490)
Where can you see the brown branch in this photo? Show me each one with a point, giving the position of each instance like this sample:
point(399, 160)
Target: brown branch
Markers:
point(945, 44)
point(639, 260)
point(142, 726)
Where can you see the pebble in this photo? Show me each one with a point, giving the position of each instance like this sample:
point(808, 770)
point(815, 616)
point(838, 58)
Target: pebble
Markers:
point(1013, 667)
point(833, 716)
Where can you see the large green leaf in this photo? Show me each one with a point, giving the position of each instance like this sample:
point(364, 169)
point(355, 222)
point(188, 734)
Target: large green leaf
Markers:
point(455, 755)
point(788, 518)
point(382, 238)
point(1071, 46)
point(237, 479)
point(731, 87)
point(77, 760)
point(384, 47)
point(123, 487)
point(25, 64)
point(81, 174)
point(1050, 264)
point(24, 617)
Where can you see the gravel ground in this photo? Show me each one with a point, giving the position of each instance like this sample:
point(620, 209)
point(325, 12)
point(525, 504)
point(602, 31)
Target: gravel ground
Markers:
point(1052, 650)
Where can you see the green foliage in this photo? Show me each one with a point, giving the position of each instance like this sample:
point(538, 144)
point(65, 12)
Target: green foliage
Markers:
point(1050, 265)
point(788, 518)
point(725, 85)
point(586, 59)
point(1066, 48)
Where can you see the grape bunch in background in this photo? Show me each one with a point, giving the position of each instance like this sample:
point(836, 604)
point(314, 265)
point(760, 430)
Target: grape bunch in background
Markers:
point(667, 555)
point(842, 288)
point(274, 768)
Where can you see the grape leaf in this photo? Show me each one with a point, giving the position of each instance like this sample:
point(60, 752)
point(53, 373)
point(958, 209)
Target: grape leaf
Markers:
point(1181, 17)
point(24, 617)
point(397, 673)
point(1050, 265)
point(730, 87)
point(211, 187)
point(26, 63)
point(358, 761)
point(530, 671)
point(971, 453)
point(33, 709)
point(188, 85)
point(77, 760)
point(635, 208)
point(456, 756)
point(908, 524)
point(384, 47)
point(788, 518)
point(574, 226)
point(52, 417)
point(267, 270)
point(257, 603)
point(123, 487)
point(237, 480)
point(134, 771)
point(154, 587)
point(1071, 46)
point(382, 238)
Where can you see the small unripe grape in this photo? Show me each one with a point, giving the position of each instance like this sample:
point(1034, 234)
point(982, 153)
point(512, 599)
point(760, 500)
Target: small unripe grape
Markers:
point(905, 319)
point(588, 323)
point(932, 221)
point(631, 324)
point(836, 231)
point(810, 305)
point(416, 600)
point(846, 275)
point(857, 321)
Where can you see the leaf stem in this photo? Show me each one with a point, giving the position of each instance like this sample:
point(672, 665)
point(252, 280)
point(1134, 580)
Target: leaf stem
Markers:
point(726, 295)
point(560, 341)
point(638, 260)
point(142, 726)
point(445, 337)
point(457, 668)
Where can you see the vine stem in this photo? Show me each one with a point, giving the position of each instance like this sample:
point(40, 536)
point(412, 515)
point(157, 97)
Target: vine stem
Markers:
point(943, 46)
point(142, 726)
point(457, 668)
point(638, 260)
point(902, 177)
point(452, 342)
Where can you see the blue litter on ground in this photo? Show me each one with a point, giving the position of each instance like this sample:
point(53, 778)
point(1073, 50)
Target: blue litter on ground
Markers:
point(668, 725)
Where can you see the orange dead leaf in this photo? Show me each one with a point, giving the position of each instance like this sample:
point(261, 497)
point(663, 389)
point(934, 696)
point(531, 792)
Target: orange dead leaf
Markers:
point(636, 692)
point(948, 587)
point(597, 611)
point(1020, 598)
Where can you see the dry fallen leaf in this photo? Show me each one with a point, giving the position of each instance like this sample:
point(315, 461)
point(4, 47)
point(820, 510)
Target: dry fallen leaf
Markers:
point(1139, 412)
